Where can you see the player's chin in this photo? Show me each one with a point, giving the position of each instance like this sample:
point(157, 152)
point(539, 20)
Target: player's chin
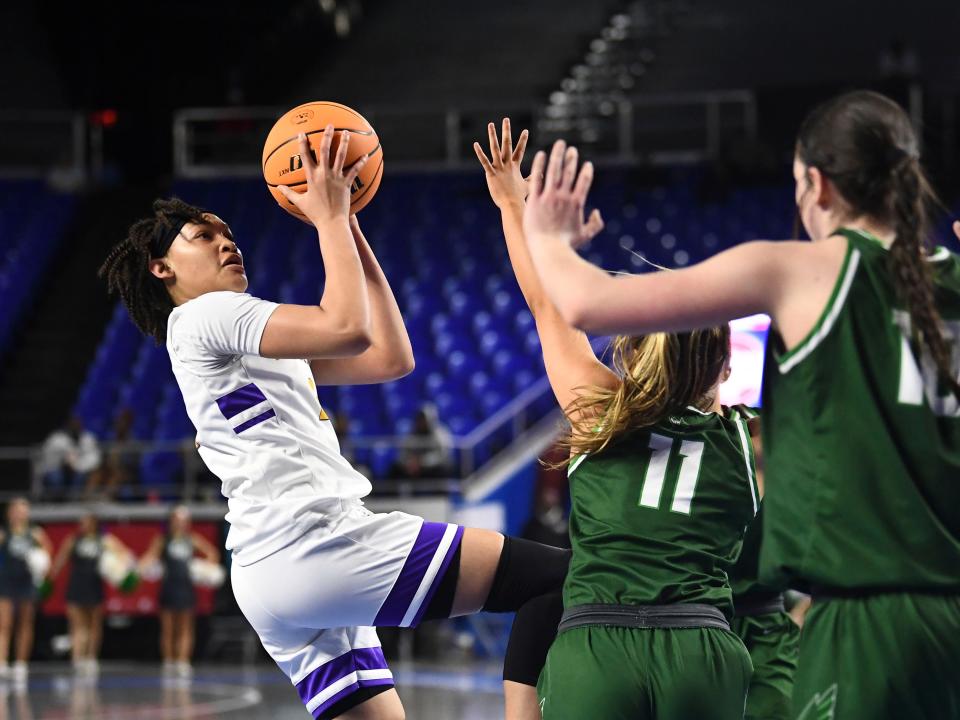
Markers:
point(236, 282)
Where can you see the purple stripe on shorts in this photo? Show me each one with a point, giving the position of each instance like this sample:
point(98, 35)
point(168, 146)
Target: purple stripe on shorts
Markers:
point(254, 421)
point(328, 673)
point(376, 681)
point(335, 698)
point(243, 398)
point(408, 582)
point(347, 691)
point(451, 551)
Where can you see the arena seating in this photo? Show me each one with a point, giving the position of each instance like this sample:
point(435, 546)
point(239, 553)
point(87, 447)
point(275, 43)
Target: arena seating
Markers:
point(439, 240)
point(32, 219)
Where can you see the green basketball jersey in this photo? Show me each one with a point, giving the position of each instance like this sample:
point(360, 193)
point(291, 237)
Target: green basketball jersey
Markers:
point(743, 575)
point(658, 517)
point(862, 448)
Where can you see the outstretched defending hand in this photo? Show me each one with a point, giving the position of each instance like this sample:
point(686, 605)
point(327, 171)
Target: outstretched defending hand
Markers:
point(555, 205)
point(328, 185)
point(504, 180)
point(956, 228)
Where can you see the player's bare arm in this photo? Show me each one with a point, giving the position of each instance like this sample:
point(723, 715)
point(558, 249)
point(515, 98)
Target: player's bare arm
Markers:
point(568, 357)
point(340, 325)
point(390, 355)
point(756, 277)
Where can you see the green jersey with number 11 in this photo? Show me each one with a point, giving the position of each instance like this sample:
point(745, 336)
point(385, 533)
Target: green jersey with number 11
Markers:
point(861, 444)
point(658, 517)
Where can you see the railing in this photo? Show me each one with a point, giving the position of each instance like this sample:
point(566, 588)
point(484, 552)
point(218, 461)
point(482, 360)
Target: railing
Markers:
point(516, 415)
point(224, 142)
point(49, 144)
point(510, 421)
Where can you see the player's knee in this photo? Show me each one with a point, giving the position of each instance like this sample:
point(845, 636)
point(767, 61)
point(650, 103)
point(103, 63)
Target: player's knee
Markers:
point(526, 570)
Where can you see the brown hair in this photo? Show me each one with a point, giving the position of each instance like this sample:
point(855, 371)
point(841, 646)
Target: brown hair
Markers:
point(661, 374)
point(864, 143)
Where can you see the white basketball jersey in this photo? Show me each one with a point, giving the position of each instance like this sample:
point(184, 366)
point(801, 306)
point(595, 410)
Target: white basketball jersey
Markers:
point(260, 426)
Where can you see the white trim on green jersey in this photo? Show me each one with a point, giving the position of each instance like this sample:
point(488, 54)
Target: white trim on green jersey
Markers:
point(793, 358)
point(575, 463)
point(748, 459)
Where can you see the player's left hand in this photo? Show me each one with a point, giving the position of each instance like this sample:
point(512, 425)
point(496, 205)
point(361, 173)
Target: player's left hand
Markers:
point(956, 228)
point(558, 196)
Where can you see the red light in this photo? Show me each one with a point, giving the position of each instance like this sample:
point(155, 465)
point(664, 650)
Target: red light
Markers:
point(104, 118)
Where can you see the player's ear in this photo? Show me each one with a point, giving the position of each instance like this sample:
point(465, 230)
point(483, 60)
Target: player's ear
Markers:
point(160, 268)
point(820, 188)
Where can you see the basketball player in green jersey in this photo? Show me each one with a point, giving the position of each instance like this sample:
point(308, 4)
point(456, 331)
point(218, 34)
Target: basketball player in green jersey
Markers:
point(861, 417)
point(769, 633)
point(662, 485)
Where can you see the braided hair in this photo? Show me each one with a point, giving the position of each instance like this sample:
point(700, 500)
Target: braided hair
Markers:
point(864, 143)
point(126, 269)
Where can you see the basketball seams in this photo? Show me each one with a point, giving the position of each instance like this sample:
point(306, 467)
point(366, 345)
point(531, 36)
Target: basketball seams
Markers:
point(364, 133)
point(332, 104)
point(311, 114)
point(373, 183)
point(304, 182)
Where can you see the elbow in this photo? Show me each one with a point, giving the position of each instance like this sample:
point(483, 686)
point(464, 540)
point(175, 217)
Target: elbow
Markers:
point(358, 340)
point(399, 366)
point(405, 365)
point(575, 311)
point(354, 339)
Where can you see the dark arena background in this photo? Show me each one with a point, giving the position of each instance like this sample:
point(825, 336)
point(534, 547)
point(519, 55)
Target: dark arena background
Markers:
point(688, 108)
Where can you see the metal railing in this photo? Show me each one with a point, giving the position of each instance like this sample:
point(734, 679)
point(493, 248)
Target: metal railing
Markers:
point(228, 142)
point(515, 415)
point(52, 144)
point(509, 422)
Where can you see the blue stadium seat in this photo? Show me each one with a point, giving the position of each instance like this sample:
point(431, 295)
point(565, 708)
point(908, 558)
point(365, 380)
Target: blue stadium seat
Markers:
point(474, 340)
point(32, 221)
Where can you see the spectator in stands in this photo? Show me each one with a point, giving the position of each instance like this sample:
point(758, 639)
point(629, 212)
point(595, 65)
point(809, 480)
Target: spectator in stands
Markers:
point(429, 454)
point(174, 550)
point(341, 426)
point(120, 469)
point(18, 586)
point(69, 455)
point(548, 524)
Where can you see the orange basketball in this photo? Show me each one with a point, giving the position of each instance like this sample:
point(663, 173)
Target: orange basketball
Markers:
point(281, 152)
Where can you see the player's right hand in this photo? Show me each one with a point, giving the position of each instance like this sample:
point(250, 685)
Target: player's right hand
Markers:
point(505, 182)
point(327, 197)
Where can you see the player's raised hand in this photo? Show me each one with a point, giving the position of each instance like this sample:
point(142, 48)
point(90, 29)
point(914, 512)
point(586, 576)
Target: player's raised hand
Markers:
point(328, 183)
point(956, 228)
point(502, 169)
point(558, 196)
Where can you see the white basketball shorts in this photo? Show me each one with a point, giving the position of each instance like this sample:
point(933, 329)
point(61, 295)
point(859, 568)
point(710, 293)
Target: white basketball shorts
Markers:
point(316, 602)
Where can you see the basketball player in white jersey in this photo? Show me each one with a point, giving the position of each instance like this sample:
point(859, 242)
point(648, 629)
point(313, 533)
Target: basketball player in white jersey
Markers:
point(313, 570)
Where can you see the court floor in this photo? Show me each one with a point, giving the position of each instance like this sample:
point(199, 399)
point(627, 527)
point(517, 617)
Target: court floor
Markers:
point(139, 692)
